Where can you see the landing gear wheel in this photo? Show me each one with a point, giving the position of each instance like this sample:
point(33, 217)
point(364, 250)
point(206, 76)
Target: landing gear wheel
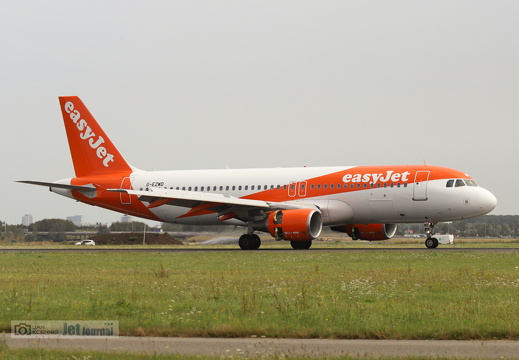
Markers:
point(298, 245)
point(249, 242)
point(257, 242)
point(431, 243)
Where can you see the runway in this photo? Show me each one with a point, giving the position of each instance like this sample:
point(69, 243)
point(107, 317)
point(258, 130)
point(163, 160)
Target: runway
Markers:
point(212, 249)
point(258, 347)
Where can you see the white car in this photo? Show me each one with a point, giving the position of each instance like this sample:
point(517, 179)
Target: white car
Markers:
point(86, 242)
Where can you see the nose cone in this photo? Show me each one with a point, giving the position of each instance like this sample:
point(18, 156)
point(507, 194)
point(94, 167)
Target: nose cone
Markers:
point(487, 201)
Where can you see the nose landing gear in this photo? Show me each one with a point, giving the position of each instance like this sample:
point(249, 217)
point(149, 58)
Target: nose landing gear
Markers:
point(431, 242)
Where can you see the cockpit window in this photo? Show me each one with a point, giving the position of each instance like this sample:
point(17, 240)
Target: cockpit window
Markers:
point(471, 183)
point(459, 183)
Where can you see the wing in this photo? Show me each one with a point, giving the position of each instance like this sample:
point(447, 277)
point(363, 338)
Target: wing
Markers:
point(201, 203)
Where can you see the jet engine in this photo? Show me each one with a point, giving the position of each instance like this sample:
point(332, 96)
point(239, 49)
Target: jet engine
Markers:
point(295, 224)
point(368, 231)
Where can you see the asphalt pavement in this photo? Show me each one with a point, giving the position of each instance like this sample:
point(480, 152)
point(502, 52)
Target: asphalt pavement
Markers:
point(258, 347)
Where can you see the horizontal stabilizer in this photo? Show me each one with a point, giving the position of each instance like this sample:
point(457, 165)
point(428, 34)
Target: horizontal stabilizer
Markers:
point(56, 185)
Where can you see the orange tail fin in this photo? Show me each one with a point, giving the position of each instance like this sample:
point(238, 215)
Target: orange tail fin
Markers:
point(93, 153)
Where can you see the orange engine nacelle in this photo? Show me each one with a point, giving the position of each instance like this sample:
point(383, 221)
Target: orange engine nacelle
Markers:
point(368, 231)
point(297, 224)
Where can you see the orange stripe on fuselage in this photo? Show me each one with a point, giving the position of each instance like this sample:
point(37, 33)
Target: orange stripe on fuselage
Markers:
point(360, 177)
point(200, 210)
point(111, 200)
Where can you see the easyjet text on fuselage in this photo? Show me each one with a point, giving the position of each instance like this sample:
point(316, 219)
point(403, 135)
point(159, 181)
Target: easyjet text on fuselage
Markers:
point(388, 176)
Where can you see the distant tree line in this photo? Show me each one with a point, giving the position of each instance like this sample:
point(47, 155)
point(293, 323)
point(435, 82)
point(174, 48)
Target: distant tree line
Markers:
point(133, 226)
point(168, 227)
point(500, 226)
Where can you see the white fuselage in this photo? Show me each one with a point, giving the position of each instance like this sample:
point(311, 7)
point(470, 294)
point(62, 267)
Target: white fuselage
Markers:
point(392, 202)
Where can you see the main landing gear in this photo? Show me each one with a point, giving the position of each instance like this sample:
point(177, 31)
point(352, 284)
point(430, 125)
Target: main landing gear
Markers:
point(253, 242)
point(431, 242)
point(301, 245)
point(249, 242)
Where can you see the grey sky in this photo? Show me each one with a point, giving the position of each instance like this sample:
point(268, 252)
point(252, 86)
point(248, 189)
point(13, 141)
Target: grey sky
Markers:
point(210, 84)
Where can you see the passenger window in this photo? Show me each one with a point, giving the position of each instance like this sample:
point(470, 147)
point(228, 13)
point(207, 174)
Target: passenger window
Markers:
point(239, 187)
point(221, 188)
point(227, 188)
point(325, 186)
point(233, 187)
point(312, 186)
point(450, 183)
point(252, 187)
point(265, 187)
point(196, 188)
point(318, 186)
point(246, 187)
point(459, 183)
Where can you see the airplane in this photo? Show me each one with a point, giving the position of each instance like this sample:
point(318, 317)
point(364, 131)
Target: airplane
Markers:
point(291, 204)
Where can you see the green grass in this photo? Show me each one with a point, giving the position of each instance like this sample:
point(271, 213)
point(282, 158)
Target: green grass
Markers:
point(376, 295)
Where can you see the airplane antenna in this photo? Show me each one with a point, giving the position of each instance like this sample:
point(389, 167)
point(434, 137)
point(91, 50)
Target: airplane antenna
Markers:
point(425, 162)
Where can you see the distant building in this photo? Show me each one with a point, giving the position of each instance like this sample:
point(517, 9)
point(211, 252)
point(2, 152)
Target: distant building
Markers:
point(126, 219)
point(77, 220)
point(27, 220)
